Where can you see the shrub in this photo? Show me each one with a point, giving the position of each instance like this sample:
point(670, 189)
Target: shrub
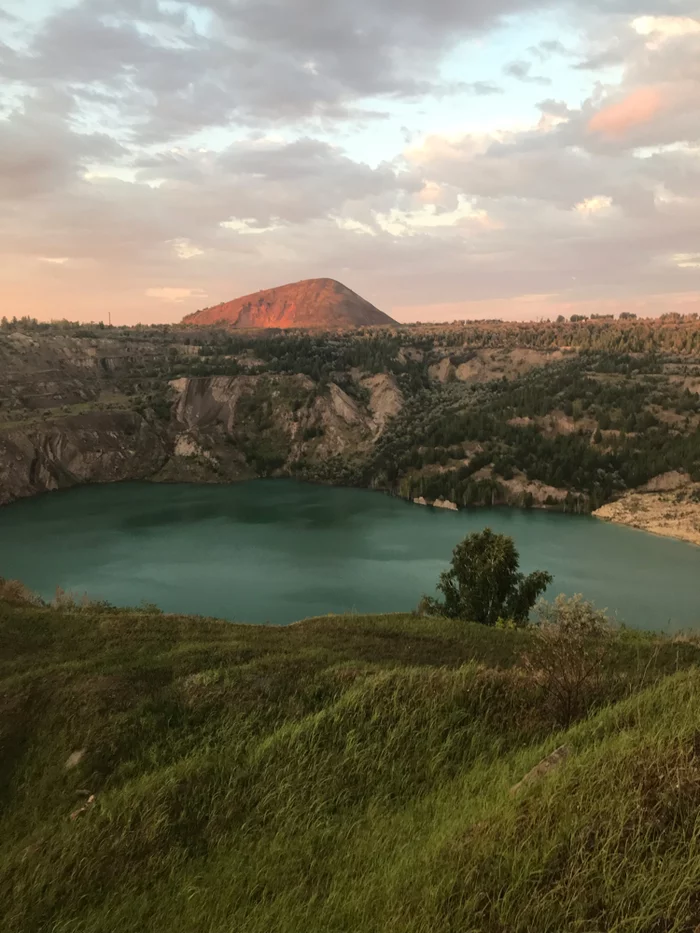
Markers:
point(571, 642)
point(12, 591)
point(71, 602)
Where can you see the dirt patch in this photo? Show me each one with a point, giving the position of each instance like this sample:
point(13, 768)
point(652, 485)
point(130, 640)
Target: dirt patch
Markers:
point(443, 371)
point(486, 365)
point(386, 400)
point(520, 487)
point(674, 513)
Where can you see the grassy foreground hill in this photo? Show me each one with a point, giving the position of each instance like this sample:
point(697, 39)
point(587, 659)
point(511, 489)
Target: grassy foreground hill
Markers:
point(342, 774)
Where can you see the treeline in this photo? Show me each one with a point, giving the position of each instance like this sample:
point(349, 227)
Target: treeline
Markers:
point(670, 333)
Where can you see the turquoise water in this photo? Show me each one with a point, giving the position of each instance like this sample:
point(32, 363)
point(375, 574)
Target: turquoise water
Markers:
point(278, 550)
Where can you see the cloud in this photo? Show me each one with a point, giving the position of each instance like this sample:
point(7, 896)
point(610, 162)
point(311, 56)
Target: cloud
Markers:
point(636, 109)
point(185, 249)
point(172, 69)
point(549, 48)
point(118, 191)
point(39, 152)
point(660, 28)
point(596, 205)
point(687, 260)
point(484, 88)
point(520, 70)
point(175, 294)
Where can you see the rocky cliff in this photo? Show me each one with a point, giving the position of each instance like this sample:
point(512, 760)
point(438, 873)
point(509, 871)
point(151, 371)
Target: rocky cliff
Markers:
point(96, 447)
point(230, 427)
point(215, 429)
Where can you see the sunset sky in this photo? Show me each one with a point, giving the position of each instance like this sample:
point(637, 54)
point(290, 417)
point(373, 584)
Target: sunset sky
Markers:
point(444, 158)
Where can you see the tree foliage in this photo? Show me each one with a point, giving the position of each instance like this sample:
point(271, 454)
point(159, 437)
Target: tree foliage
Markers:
point(484, 583)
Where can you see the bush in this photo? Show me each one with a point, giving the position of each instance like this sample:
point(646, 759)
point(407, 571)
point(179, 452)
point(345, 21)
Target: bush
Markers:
point(12, 591)
point(71, 602)
point(571, 642)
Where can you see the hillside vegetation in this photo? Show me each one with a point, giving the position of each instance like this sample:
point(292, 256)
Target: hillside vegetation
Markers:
point(342, 774)
point(563, 415)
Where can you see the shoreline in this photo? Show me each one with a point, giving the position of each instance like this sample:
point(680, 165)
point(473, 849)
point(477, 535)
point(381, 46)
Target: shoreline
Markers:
point(658, 513)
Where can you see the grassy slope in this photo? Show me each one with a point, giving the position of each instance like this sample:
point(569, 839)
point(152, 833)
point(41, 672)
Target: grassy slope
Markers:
point(344, 774)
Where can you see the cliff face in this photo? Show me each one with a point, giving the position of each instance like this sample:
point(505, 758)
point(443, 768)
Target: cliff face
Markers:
point(322, 303)
point(250, 425)
point(213, 429)
point(97, 447)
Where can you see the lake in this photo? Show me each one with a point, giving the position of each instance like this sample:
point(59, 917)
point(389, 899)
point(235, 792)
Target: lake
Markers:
point(279, 550)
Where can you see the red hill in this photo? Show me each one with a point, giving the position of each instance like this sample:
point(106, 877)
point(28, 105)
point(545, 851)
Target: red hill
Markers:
point(312, 303)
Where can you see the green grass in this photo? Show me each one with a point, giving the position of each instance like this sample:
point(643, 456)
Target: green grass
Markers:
point(342, 774)
point(108, 401)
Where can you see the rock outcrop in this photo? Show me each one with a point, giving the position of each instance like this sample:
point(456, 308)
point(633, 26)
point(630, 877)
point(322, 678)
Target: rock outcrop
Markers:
point(96, 447)
point(385, 399)
point(231, 427)
point(541, 770)
point(668, 505)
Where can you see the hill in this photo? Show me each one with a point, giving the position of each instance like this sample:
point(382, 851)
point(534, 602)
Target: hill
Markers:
point(314, 303)
point(343, 774)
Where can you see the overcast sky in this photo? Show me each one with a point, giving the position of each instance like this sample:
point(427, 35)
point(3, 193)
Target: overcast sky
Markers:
point(444, 158)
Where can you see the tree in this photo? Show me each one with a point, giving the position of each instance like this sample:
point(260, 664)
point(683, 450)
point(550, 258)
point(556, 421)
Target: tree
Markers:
point(484, 583)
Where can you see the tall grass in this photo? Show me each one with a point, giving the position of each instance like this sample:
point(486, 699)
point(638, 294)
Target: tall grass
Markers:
point(343, 774)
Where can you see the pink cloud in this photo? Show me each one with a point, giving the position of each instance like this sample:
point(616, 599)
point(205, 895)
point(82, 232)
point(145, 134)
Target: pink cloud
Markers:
point(637, 109)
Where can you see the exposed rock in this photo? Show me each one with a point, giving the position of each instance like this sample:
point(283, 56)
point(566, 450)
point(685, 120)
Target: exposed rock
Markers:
point(486, 365)
point(97, 447)
point(287, 416)
point(186, 446)
point(208, 401)
point(443, 371)
point(519, 487)
point(74, 759)
point(310, 303)
point(665, 482)
point(445, 504)
point(386, 400)
point(671, 511)
point(410, 354)
point(345, 407)
point(85, 807)
point(545, 767)
point(437, 503)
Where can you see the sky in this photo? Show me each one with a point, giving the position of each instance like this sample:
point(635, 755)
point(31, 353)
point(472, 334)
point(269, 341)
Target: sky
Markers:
point(446, 159)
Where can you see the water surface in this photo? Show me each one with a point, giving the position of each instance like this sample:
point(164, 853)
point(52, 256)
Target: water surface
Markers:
point(278, 550)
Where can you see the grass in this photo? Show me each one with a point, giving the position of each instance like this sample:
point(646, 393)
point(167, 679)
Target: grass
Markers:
point(107, 401)
point(342, 774)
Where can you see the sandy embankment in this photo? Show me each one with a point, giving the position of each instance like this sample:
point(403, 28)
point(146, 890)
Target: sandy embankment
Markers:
point(669, 505)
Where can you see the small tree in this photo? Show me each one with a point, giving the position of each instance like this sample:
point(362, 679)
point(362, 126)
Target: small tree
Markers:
point(570, 645)
point(484, 583)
